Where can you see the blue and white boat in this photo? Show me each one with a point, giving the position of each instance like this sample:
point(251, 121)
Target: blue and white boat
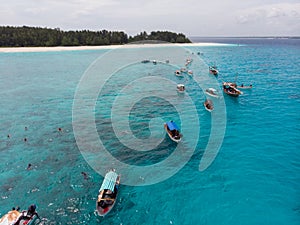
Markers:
point(108, 193)
point(173, 131)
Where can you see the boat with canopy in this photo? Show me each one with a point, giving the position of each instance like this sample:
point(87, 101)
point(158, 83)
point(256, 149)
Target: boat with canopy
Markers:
point(108, 193)
point(173, 131)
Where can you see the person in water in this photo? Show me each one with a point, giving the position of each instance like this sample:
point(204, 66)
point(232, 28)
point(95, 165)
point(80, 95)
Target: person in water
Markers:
point(85, 175)
point(29, 166)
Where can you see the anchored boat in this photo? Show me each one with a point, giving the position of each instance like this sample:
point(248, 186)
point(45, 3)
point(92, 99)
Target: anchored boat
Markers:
point(230, 89)
point(180, 88)
point(212, 92)
point(108, 193)
point(208, 104)
point(15, 217)
point(173, 131)
point(213, 70)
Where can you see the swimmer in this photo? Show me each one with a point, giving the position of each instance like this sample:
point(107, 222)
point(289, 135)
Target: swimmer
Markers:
point(85, 175)
point(8, 136)
point(60, 129)
point(25, 139)
point(29, 166)
point(26, 128)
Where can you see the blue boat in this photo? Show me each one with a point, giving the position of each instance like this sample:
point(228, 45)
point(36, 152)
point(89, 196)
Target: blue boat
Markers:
point(108, 193)
point(173, 131)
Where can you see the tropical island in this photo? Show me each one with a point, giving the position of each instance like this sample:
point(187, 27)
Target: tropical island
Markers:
point(47, 37)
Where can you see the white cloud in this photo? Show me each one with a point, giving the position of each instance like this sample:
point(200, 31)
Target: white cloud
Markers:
point(192, 17)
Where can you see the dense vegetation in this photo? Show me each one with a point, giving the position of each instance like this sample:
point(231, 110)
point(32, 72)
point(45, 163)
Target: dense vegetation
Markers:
point(36, 36)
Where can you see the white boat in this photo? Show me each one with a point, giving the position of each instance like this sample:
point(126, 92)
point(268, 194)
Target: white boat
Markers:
point(180, 88)
point(26, 217)
point(212, 92)
point(190, 72)
point(183, 70)
point(173, 131)
point(108, 193)
point(208, 104)
point(178, 73)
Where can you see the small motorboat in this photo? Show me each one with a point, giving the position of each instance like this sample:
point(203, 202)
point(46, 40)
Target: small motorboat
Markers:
point(183, 70)
point(212, 92)
point(173, 131)
point(188, 61)
point(213, 70)
point(244, 87)
point(190, 72)
point(15, 217)
point(108, 193)
point(230, 89)
point(208, 104)
point(178, 73)
point(180, 88)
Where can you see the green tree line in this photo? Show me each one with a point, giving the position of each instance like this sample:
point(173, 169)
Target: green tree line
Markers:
point(36, 36)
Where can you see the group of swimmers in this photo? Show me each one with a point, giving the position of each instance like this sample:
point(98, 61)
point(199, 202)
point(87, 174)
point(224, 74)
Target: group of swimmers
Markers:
point(26, 128)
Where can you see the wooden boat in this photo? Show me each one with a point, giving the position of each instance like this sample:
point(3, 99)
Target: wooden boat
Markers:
point(244, 87)
point(108, 193)
point(180, 88)
point(173, 131)
point(213, 70)
point(26, 217)
point(208, 104)
point(230, 89)
point(212, 92)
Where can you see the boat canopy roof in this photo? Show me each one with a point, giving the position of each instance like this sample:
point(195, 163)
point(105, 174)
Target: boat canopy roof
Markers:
point(109, 181)
point(172, 125)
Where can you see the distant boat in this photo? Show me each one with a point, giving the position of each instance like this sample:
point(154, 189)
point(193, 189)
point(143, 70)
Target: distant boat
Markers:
point(190, 72)
point(108, 193)
point(245, 87)
point(212, 92)
point(213, 70)
point(180, 88)
point(26, 217)
point(188, 61)
point(178, 73)
point(173, 131)
point(145, 61)
point(183, 70)
point(230, 89)
point(208, 104)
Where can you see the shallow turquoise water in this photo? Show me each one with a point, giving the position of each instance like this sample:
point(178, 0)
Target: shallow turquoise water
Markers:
point(253, 180)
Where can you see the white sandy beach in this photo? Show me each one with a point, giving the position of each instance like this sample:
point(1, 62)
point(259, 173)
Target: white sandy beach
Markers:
point(75, 48)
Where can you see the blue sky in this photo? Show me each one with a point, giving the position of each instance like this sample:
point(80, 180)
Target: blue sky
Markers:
point(191, 17)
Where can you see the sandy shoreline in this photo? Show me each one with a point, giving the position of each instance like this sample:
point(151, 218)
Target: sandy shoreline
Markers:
point(76, 48)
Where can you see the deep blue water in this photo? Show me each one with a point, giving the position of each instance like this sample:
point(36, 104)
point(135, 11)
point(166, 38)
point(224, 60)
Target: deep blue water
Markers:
point(255, 178)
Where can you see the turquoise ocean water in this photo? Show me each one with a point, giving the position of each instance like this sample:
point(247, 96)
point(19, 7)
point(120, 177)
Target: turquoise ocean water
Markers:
point(255, 178)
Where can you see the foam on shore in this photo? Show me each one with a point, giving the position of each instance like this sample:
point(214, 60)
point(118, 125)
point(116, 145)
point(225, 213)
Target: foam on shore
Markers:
point(76, 48)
